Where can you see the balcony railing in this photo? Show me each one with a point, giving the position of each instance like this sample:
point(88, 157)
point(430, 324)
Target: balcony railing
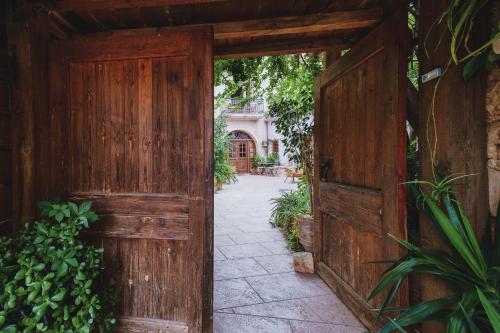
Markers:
point(256, 106)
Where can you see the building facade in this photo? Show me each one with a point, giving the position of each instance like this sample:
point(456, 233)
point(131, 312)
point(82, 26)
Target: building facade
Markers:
point(252, 133)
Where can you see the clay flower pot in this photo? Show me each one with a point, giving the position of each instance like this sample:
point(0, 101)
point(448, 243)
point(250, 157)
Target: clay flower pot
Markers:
point(305, 227)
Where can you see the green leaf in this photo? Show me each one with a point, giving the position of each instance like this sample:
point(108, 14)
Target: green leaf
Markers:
point(473, 65)
point(72, 262)
point(491, 312)
point(84, 207)
point(421, 312)
point(39, 267)
point(58, 296)
point(456, 239)
point(73, 207)
point(59, 216)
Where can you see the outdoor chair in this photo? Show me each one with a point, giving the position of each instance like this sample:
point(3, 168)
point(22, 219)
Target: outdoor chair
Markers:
point(293, 173)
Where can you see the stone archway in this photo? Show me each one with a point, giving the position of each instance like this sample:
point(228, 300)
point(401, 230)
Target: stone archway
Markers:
point(242, 151)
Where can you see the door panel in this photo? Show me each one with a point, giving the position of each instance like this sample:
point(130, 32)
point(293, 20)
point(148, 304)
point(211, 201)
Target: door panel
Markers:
point(140, 147)
point(360, 148)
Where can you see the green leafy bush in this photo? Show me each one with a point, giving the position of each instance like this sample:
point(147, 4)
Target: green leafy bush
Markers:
point(51, 281)
point(288, 206)
point(273, 158)
point(257, 160)
point(471, 272)
point(223, 170)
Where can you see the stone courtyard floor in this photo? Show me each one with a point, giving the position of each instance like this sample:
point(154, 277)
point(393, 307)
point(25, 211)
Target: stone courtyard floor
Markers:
point(255, 287)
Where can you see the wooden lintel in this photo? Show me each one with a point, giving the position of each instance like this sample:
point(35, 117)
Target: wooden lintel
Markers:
point(285, 46)
point(340, 20)
point(89, 5)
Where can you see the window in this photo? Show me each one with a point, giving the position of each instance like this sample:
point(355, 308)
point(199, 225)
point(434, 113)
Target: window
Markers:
point(243, 150)
point(234, 152)
point(276, 146)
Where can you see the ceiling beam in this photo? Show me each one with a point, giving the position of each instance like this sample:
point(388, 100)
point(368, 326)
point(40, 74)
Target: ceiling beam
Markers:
point(341, 20)
point(281, 47)
point(89, 5)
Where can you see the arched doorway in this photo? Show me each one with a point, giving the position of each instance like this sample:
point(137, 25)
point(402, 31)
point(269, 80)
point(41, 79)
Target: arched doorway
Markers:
point(242, 151)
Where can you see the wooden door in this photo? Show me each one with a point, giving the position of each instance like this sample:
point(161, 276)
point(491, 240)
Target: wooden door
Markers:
point(360, 162)
point(242, 153)
point(132, 131)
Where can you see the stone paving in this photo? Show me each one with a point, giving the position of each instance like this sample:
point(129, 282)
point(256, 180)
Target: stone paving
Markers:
point(255, 287)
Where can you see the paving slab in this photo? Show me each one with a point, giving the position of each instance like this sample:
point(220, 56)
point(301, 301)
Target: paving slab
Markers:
point(233, 293)
point(231, 323)
point(222, 240)
point(244, 251)
point(276, 263)
point(322, 309)
point(276, 287)
point(308, 327)
point(277, 247)
point(252, 237)
point(237, 268)
point(218, 255)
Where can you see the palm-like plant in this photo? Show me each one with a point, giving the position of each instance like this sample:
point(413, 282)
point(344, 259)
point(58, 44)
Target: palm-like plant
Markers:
point(472, 272)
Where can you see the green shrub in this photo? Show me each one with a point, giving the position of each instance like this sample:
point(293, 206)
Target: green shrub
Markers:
point(471, 271)
point(257, 161)
point(288, 206)
point(51, 281)
point(273, 158)
point(223, 170)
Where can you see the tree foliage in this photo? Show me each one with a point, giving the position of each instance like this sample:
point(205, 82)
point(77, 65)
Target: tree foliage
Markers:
point(223, 170)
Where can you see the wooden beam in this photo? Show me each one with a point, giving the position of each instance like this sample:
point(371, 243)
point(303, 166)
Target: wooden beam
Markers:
point(280, 47)
point(341, 20)
point(89, 5)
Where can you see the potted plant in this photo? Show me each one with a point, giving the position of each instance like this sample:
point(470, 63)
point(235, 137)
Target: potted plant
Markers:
point(305, 229)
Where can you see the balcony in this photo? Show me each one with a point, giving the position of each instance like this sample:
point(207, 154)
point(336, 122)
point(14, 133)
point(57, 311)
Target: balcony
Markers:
point(254, 107)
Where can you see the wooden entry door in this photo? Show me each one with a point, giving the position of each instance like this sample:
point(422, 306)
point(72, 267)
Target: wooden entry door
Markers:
point(242, 154)
point(360, 152)
point(138, 111)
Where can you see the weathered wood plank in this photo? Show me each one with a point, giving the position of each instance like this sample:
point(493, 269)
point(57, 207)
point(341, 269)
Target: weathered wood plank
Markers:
point(114, 46)
point(320, 22)
point(135, 204)
point(288, 45)
point(173, 227)
point(141, 325)
point(90, 5)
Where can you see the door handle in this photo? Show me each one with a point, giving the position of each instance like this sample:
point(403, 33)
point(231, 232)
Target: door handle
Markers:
point(325, 166)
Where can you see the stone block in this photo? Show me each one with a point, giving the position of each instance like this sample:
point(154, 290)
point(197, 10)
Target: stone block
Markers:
point(303, 262)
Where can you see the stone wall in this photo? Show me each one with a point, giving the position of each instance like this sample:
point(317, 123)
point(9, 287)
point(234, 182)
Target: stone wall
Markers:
point(493, 118)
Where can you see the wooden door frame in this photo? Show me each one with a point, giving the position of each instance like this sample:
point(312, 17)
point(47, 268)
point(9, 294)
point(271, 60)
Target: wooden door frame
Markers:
point(394, 166)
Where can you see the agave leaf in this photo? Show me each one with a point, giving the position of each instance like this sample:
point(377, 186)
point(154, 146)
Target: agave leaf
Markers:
point(491, 312)
point(397, 326)
point(454, 237)
point(399, 271)
point(496, 252)
point(440, 264)
point(470, 234)
point(390, 296)
point(472, 326)
point(458, 29)
point(458, 323)
point(422, 312)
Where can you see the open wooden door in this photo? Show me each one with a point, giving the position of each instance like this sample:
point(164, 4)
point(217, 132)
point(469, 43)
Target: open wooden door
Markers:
point(132, 122)
point(360, 165)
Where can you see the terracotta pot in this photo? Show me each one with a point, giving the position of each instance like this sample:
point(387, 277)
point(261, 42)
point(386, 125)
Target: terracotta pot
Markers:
point(305, 227)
